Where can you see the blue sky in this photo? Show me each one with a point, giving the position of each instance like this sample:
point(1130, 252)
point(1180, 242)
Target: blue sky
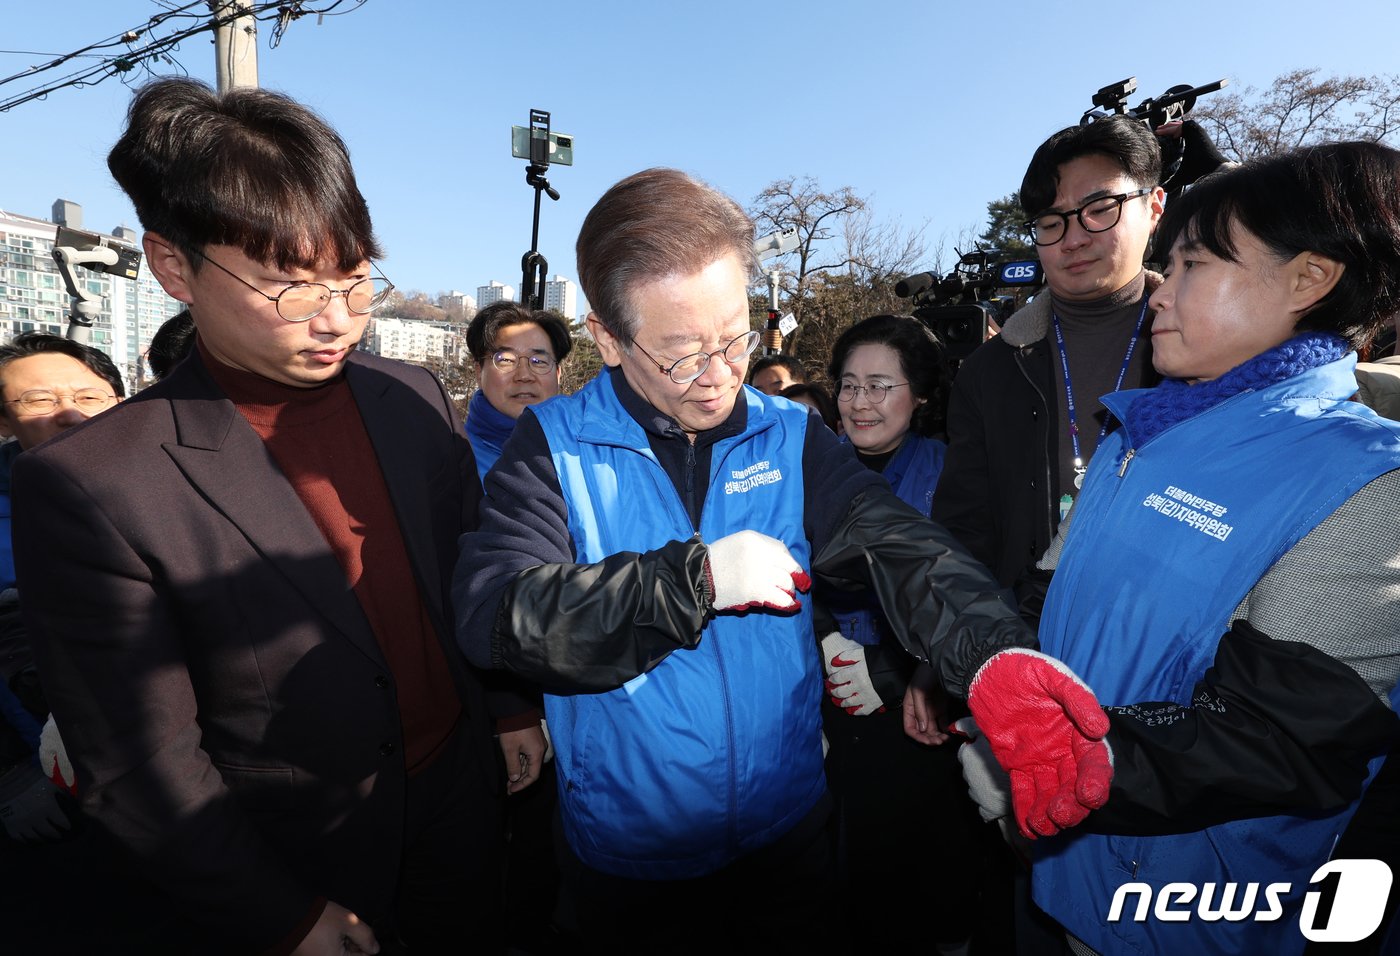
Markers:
point(930, 109)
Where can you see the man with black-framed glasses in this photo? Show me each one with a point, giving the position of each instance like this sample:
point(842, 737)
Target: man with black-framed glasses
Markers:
point(237, 588)
point(643, 549)
point(1026, 414)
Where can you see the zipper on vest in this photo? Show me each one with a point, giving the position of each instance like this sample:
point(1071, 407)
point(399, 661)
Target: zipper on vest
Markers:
point(690, 483)
point(1128, 456)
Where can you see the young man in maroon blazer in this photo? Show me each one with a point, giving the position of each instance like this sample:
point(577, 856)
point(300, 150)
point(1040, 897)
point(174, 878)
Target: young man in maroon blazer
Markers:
point(237, 586)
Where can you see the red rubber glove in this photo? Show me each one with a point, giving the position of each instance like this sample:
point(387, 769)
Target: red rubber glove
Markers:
point(747, 569)
point(1046, 729)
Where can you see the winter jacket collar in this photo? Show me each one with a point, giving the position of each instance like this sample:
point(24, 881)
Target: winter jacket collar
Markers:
point(660, 425)
point(1031, 324)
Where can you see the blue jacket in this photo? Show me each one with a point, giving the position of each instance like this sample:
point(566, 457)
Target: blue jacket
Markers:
point(487, 429)
point(913, 474)
point(8, 451)
point(715, 752)
point(1161, 552)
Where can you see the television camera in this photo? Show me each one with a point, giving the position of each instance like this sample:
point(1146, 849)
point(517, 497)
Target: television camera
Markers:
point(1173, 105)
point(960, 307)
point(1187, 152)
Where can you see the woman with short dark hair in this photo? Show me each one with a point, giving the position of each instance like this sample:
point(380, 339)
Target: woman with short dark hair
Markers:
point(1228, 583)
point(897, 801)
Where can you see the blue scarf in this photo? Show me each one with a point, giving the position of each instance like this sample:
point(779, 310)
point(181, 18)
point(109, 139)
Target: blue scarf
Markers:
point(1174, 400)
point(487, 430)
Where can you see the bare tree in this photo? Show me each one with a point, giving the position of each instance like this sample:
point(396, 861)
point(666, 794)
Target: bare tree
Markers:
point(800, 203)
point(1301, 108)
point(875, 255)
point(412, 305)
point(582, 366)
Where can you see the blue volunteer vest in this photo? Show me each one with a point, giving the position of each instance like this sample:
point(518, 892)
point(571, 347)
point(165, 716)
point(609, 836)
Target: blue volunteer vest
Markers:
point(1157, 560)
point(8, 452)
point(716, 752)
point(913, 474)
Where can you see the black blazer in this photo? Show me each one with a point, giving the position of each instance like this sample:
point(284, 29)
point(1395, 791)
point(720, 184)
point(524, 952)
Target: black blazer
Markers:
point(227, 709)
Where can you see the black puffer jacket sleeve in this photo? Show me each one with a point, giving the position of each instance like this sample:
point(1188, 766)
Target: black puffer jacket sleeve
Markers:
point(1273, 727)
point(523, 604)
point(942, 605)
point(607, 622)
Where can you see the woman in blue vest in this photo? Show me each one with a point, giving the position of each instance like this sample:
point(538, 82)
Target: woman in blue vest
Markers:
point(900, 806)
point(518, 352)
point(1246, 497)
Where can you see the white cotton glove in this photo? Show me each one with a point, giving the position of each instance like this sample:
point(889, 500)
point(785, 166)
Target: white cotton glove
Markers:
point(747, 569)
point(988, 784)
point(848, 676)
point(53, 759)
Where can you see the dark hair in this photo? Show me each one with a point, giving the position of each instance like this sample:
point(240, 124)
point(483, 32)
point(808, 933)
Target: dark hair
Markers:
point(171, 343)
point(922, 358)
point(1340, 200)
point(821, 398)
point(247, 168)
point(653, 224)
point(1127, 142)
point(41, 343)
point(794, 367)
point(486, 325)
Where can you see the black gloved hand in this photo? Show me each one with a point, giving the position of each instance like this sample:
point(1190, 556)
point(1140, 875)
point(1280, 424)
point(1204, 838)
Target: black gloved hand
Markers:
point(1187, 154)
point(30, 811)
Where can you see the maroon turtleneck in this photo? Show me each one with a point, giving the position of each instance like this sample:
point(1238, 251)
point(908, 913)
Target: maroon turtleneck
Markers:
point(318, 439)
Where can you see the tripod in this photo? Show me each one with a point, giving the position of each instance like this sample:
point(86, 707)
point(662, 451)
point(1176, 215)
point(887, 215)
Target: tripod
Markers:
point(534, 267)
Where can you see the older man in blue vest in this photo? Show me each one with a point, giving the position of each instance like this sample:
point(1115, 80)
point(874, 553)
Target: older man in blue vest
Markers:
point(642, 546)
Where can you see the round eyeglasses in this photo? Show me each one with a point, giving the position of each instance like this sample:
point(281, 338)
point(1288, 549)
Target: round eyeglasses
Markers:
point(507, 362)
point(875, 391)
point(688, 368)
point(303, 301)
point(38, 401)
point(1100, 215)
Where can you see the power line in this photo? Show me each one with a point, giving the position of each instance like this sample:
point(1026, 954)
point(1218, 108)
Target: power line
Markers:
point(157, 48)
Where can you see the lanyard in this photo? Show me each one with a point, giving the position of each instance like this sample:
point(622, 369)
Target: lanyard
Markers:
point(1079, 466)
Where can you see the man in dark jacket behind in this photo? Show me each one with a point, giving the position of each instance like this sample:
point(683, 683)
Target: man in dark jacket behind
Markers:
point(1025, 415)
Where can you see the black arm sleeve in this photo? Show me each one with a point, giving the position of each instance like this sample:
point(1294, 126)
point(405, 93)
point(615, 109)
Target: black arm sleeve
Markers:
point(524, 605)
point(1273, 727)
point(607, 622)
point(942, 605)
point(963, 501)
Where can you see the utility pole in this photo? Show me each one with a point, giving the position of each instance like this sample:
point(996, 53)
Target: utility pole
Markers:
point(235, 45)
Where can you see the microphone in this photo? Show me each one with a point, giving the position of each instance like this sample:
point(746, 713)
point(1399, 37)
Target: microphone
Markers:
point(912, 285)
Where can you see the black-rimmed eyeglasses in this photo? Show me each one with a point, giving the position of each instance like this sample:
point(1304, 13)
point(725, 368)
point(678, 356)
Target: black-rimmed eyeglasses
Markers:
point(303, 301)
point(688, 368)
point(1099, 215)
